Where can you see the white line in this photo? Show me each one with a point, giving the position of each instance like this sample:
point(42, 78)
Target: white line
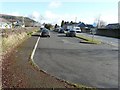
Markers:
point(32, 55)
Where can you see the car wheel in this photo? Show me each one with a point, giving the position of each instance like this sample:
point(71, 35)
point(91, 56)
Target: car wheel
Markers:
point(48, 35)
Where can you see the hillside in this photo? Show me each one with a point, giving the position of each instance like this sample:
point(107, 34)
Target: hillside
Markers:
point(10, 18)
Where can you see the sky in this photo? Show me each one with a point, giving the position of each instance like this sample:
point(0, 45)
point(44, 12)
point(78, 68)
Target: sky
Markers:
point(54, 11)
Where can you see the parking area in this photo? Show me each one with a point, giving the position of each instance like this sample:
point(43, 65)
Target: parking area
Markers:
point(87, 64)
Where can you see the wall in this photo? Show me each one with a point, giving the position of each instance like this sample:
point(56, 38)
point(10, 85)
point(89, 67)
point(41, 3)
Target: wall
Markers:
point(110, 33)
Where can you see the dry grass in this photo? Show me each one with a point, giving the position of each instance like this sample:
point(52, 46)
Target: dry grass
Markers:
point(0, 62)
point(12, 41)
point(14, 38)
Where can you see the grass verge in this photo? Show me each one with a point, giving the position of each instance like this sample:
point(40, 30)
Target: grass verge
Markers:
point(88, 40)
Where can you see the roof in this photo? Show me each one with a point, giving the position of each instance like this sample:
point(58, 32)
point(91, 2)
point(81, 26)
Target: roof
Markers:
point(89, 25)
point(113, 26)
point(81, 25)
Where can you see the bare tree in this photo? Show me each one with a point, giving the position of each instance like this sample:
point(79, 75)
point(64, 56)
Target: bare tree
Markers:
point(100, 23)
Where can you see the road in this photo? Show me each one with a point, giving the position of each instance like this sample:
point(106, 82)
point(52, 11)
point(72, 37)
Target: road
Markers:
point(87, 64)
point(107, 40)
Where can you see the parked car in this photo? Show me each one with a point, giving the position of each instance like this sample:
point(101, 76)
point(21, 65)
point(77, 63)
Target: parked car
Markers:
point(61, 30)
point(77, 29)
point(45, 33)
point(71, 33)
point(57, 29)
point(66, 30)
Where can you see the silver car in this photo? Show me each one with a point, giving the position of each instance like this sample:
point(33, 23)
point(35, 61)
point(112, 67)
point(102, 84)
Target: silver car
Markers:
point(71, 33)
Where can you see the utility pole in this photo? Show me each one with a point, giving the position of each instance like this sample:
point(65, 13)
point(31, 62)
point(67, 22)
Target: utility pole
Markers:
point(75, 19)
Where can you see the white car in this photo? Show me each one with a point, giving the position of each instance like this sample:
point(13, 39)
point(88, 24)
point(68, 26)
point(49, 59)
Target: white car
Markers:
point(77, 29)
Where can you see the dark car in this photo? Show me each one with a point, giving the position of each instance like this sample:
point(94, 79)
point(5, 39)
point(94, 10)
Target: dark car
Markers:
point(61, 30)
point(71, 33)
point(67, 29)
point(45, 33)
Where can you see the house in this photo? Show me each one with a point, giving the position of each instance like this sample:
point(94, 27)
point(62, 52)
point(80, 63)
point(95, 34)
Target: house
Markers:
point(89, 26)
point(70, 26)
point(18, 24)
point(5, 24)
point(81, 25)
point(84, 27)
point(113, 26)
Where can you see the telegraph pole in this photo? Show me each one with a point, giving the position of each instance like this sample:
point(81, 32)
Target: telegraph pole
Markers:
point(75, 19)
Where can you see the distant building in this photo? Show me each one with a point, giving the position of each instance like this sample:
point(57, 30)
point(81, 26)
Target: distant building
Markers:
point(84, 27)
point(113, 26)
point(89, 26)
point(5, 24)
point(18, 24)
point(81, 25)
point(70, 26)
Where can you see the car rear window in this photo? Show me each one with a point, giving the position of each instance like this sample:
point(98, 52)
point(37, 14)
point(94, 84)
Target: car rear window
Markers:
point(72, 31)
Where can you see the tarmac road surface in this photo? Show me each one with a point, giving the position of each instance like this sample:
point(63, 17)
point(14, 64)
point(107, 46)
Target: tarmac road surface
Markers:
point(87, 64)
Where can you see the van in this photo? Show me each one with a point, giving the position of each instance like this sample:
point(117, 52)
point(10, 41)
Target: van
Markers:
point(77, 29)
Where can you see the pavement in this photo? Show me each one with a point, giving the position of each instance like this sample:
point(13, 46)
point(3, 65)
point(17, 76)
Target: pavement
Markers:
point(80, 63)
point(103, 39)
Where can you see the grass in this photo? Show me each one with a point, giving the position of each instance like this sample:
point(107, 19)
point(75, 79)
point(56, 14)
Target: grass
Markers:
point(0, 45)
point(88, 40)
point(82, 87)
point(13, 40)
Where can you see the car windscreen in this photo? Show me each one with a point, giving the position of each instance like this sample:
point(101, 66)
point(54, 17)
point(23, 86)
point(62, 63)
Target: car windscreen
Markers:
point(77, 29)
point(45, 30)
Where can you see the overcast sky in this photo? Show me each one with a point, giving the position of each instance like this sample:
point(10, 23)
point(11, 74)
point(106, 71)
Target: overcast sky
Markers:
point(54, 11)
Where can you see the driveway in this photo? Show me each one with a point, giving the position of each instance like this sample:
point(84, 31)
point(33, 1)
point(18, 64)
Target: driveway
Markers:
point(87, 64)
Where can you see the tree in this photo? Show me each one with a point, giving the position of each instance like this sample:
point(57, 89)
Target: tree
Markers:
point(99, 23)
point(62, 23)
point(56, 25)
point(71, 22)
point(102, 24)
point(65, 23)
point(48, 26)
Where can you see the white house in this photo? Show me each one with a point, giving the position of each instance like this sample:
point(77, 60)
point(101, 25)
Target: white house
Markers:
point(18, 24)
point(5, 24)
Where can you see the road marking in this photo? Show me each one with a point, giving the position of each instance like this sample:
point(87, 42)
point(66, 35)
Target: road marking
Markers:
point(33, 52)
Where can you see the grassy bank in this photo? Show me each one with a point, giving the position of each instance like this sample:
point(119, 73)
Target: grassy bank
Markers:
point(12, 38)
